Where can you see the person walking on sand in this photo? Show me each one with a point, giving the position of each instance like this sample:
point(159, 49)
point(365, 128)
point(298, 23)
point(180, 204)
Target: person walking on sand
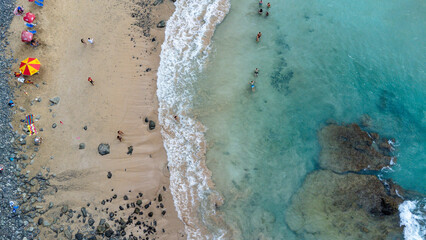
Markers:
point(91, 81)
point(256, 72)
point(120, 138)
point(258, 36)
point(253, 88)
point(90, 40)
point(260, 3)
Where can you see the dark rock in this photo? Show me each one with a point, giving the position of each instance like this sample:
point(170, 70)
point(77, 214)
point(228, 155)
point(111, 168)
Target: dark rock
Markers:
point(109, 233)
point(126, 197)
point(84, 212)
point(54, 100)
point(64, 209)
point(121, 208)
point(103, 149)
point(85, 128)
point(161, 24)
point(163, 212)
point(150, 214)
point(54, 125)
point(151, 125)
point(139, 202)
point(91, 221)
point(109, 175)
point(100, 229)
point(157, 2)
point(130, 150)
point(40, 221)
point(81, 146)
point(348, 148)
point(137, 211)
point(146, 120)
point(79, 236)
point(160, 198)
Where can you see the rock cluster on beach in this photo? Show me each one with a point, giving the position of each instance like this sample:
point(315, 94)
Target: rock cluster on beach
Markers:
point(341, 201)
point(12, 183)
point(137, 217)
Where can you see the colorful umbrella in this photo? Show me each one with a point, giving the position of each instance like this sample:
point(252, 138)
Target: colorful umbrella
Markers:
point(26, 36)
point(29, 17)
point(29, 66)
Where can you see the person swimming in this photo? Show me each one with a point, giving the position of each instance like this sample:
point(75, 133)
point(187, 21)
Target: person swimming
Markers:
point(253, 88)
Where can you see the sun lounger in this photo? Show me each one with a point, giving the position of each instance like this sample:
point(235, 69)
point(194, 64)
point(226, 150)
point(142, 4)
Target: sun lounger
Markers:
point(39, 4)
point(30, 25)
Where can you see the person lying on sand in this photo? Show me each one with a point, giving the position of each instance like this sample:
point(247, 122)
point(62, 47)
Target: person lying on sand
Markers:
point(34, 42)
point(120, 132)
point(120, 138)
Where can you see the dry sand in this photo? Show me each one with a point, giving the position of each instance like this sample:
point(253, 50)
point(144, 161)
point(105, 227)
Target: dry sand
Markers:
point(124, 94)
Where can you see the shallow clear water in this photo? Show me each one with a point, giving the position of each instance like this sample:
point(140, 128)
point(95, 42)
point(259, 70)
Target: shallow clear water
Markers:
point(318, 60)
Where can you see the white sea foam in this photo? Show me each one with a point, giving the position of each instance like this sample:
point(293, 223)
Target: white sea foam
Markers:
point(412, 214)
point(184, 51)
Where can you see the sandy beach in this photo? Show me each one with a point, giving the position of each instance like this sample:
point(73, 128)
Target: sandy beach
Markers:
point(123, 62)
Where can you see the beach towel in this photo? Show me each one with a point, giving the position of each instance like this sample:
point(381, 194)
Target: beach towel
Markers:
point(32, 130)
point(30, 119)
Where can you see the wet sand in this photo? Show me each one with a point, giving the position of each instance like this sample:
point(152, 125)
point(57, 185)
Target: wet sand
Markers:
point(123, 62)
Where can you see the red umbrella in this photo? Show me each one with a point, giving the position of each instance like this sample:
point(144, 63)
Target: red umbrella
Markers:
point(26, 36)
point(29, 17)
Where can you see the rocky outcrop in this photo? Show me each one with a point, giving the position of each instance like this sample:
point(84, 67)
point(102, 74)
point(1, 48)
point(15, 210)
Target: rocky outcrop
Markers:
point(348, 148)
point(349, 206)
point(339, 202)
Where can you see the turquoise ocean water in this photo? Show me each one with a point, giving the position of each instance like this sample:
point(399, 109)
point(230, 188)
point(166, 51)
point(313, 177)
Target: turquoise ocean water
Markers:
point(318, 60)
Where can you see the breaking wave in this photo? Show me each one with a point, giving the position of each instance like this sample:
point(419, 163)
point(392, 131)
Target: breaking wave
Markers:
point(184, 52)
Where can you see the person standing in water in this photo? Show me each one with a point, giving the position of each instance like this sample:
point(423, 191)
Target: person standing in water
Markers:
point(269, 5)
point(253, 88)
point(258, 36)
point(260, 3)
point(256, 72)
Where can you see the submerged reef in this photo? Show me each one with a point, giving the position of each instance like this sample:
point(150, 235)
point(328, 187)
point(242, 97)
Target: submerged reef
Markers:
point(348, 148)
point(341, 201)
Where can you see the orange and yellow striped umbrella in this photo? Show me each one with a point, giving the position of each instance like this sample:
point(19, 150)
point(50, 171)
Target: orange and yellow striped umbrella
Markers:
point(30, 66)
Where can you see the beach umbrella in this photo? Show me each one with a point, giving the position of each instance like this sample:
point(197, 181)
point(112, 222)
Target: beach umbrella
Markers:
point(29, 66)
point(29, 17)
point(16, 11)
point(26, 36)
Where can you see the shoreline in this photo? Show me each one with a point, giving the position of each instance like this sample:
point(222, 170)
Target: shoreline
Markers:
point(77, 187)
